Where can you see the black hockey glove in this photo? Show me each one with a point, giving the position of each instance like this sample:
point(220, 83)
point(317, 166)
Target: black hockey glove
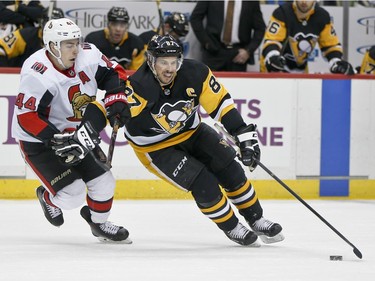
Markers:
point(247, 140)
point(341, 66)
point(73, 147)
point(275, 63)
point(117, 107)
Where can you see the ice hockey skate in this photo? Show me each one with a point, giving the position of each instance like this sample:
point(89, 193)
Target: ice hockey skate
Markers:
point(53, 214)
point(107, 231)
point(269, 232)
point(243, 236)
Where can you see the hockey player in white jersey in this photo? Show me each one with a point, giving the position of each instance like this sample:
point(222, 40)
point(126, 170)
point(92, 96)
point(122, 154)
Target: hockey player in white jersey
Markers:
point(57, 83)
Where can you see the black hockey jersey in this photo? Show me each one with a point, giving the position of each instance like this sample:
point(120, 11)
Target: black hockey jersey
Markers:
point(147, 35)
point(368, 62)
point(128, 53)
point(19, 45)
point(296, 39)
point(166, 116)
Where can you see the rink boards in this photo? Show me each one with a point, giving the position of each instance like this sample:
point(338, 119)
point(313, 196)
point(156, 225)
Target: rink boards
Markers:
point(316, 133)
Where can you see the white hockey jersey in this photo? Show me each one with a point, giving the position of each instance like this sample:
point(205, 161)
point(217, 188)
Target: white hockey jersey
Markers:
point(51, 101)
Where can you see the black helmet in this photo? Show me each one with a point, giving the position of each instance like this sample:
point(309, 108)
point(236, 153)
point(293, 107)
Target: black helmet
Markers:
point(179, 23)
point(118, 14)
point(164, 46)
point(57, 13)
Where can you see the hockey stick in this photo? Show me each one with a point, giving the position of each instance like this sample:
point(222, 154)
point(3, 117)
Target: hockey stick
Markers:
point(112, 143)
point(52, 5)
point(355, 249)
point(161, 19)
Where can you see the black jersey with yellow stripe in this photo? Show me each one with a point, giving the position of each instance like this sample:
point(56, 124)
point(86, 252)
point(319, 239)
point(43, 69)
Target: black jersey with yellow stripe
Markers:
point(21, 44)
point(129, 53)
point(295, 39)
point(147, 35)
point(166, 116)
point(368, 62)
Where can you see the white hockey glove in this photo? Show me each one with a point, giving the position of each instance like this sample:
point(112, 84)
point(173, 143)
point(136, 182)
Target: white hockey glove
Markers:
point(247, 140)
point(341, 66)
point(73, 147)
point(275, 62)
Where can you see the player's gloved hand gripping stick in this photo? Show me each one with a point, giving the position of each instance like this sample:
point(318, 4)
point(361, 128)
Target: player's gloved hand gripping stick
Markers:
point(247, 140)
point(73, 147)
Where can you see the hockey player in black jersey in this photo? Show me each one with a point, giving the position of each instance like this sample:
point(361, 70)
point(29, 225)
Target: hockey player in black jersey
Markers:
point(292, 33)
point(165, 130)
point(21, 13)
point(16, 47)
point(116, 42)
point(176, 24)
point(368, 62)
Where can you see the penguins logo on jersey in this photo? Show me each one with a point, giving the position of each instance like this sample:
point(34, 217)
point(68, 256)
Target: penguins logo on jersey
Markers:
point(302, 45)
point(79, 102)
point(172, 118)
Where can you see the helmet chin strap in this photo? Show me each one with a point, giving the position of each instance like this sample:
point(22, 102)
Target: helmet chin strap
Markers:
point(151, 64)
point(58, 57)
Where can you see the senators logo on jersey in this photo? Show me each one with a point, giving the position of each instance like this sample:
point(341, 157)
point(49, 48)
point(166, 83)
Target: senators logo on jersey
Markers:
point(79, 102)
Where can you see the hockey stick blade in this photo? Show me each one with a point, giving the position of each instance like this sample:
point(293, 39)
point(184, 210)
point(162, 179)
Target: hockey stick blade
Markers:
point(355, 249)
point(268, 171)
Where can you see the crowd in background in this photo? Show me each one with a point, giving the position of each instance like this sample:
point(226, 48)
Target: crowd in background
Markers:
point(21, 24)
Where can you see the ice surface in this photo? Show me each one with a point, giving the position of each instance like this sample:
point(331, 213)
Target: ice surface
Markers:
point(172, 240)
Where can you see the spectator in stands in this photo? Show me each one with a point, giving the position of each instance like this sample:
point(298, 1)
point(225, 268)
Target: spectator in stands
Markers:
point(232, 33)
point(368, 62)
point(176, 24)
point(20, 44)
point(292, 33)
point(116, 42)
point(21, 13)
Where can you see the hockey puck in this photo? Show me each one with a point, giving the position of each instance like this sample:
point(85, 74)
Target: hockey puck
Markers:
point(335, 258)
